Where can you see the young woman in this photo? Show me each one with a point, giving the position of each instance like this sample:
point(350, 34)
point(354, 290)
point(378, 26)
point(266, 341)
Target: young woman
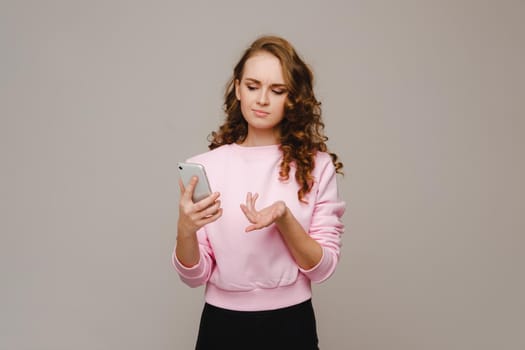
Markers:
point(274, 224)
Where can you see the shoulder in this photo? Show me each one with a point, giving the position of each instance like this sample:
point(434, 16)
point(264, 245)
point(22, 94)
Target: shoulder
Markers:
point(324, 166)
point(215, 155)
point(323, 160)
point(322, 157)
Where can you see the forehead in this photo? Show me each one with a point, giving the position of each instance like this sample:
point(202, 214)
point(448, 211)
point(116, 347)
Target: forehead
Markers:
point(265, 68)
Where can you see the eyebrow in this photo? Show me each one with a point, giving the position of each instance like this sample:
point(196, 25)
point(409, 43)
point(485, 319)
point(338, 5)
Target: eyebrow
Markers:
point(258, 82)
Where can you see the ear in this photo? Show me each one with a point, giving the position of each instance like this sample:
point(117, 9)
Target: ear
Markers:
point(237, 89)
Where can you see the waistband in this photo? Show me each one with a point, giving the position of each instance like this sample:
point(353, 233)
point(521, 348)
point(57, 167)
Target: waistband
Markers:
point(260, 299)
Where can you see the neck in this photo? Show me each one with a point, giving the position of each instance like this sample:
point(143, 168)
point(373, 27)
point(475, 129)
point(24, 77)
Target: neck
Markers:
point(261, 138)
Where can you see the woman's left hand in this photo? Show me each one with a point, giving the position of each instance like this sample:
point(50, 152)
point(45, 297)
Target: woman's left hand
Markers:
point(264, 217)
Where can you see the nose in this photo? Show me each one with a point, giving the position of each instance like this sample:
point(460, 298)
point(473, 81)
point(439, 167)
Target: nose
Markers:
point(263, 98)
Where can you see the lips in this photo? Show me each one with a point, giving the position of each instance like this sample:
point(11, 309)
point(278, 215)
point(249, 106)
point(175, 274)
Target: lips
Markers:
point(260, 113)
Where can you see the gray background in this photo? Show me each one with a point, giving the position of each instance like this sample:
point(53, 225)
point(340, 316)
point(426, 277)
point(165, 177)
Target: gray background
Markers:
point(423, 101)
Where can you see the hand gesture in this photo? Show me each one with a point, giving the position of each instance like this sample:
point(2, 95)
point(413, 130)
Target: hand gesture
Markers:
point(264, 217)
point(192, 216)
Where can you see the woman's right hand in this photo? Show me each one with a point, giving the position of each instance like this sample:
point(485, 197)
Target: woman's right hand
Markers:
point(193, 216)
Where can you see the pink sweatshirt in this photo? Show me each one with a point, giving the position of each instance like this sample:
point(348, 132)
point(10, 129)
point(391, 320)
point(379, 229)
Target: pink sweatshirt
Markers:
point(255, 271)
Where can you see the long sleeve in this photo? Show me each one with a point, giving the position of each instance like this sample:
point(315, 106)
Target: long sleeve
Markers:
point(326, 225)
point(199, 274)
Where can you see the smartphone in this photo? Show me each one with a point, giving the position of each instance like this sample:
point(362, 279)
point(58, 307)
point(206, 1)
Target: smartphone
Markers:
point(187, 171)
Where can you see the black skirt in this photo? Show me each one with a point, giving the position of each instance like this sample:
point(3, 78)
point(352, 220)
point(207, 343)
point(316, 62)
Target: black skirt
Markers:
point(288, 328)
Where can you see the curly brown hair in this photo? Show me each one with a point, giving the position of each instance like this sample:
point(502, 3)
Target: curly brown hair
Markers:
point(302, 128)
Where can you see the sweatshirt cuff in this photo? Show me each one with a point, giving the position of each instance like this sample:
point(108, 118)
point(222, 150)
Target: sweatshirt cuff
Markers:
point(324, 268)
point(189, 273)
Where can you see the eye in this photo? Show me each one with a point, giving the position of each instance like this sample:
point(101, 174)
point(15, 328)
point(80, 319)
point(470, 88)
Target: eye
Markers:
point(279, 92)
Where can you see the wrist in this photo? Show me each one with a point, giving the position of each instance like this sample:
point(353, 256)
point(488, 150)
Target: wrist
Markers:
point(284, 213)
point(184, 233)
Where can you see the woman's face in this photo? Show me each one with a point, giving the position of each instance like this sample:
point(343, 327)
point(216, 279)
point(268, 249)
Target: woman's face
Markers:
point(262, 93)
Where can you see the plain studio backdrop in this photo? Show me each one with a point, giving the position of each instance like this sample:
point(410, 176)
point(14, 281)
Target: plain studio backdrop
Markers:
point(423, 101)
